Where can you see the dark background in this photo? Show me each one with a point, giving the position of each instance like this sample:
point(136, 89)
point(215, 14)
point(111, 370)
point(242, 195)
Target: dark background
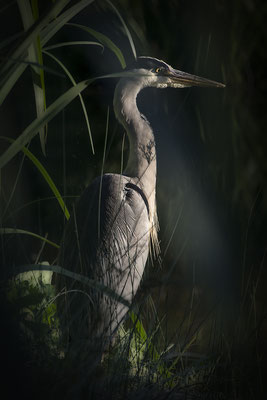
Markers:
point(211, 148)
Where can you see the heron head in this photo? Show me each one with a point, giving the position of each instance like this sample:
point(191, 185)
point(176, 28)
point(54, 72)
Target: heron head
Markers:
point(156, 73)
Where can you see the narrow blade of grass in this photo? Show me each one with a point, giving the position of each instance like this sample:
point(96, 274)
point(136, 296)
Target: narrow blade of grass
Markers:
point(46, 176)
point(53, 27)
point(8, 72)
point(146, 341)
point(104, 40)
point(80, 96)
point(128, 34)
point(77, 277)
point(38, 123)
point(77, 42)
point(50, 113)
point(35, 54)
point(41, 104)
point(8, 231)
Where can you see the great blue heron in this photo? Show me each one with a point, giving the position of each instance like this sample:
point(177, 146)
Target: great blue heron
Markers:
point(115, 221)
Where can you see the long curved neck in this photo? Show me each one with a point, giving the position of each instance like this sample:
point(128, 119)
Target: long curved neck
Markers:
point(142, 157)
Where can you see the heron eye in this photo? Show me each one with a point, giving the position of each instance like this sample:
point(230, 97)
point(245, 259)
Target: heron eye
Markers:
point(157, 70)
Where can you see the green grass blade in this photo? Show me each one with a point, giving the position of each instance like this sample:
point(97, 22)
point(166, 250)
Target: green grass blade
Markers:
point(33, 31)
point(25, 63)
point(49, 181)
point(53, 27)
point(146, 341)
point(104, 40)
point(35, 55)
point(42, 105)
point(35, 10)
point(50, 113)
point(128, 34)
point(46, 176)
point(138, 326)
point(77, 42)
point(8, 231)
point(9, 72)
point(8, 84)
point(38, 123)
point(80, 96)
point(77, 277)
point(47, 31)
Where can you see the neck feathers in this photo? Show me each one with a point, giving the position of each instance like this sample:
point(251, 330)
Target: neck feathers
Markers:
point(141, 164)
point(142, 157)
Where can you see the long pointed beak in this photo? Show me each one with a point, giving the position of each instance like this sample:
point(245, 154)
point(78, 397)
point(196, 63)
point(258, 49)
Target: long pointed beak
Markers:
point(185, 80)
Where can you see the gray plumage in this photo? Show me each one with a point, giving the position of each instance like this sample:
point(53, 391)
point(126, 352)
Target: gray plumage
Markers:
point(108, 236)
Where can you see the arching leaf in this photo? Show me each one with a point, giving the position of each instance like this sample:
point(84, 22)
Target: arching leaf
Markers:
point(80, 96)
point(46, 176)
point(104, 40)
point(8, 231)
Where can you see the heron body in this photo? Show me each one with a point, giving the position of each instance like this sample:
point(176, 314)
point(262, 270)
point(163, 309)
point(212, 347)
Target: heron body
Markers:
point(108, 236)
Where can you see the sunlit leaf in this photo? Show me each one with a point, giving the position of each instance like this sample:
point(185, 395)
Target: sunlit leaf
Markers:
point(76, 277)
